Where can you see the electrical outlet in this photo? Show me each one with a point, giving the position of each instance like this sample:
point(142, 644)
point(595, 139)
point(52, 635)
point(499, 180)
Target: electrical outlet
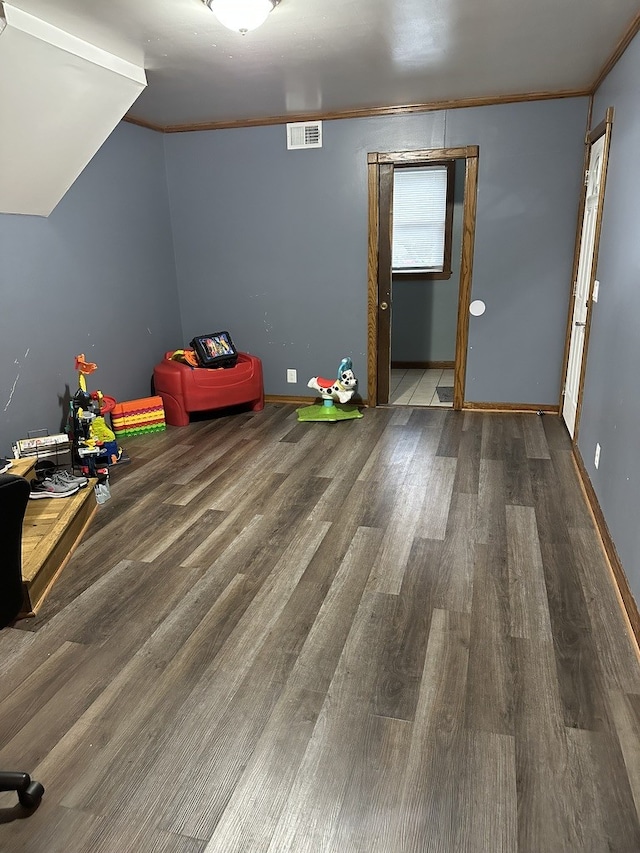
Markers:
point(596, 460)
point(292, 375)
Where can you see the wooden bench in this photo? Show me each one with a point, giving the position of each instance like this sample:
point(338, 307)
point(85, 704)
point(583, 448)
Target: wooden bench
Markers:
point(51, 530)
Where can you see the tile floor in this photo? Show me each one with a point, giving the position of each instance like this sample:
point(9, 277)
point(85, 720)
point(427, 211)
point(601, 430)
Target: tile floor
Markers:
point(418, 387)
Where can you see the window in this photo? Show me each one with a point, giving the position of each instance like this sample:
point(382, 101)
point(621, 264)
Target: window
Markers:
point(422, 219)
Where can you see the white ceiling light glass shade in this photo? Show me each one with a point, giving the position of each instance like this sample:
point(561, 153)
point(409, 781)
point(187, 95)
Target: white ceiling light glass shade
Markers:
point(241, 15)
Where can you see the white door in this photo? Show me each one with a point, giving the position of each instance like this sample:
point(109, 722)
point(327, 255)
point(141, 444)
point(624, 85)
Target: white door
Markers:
point(582, 288)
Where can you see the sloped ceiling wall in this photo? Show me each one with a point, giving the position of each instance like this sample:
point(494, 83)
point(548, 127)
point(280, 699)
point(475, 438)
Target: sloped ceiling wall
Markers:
point(60, 98)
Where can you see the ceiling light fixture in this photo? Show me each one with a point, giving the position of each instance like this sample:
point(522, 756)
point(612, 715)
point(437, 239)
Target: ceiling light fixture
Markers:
point(241, 15)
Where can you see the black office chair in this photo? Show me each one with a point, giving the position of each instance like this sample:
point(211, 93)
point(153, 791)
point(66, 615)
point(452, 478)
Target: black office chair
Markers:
point(29, 792)
point(14, 496)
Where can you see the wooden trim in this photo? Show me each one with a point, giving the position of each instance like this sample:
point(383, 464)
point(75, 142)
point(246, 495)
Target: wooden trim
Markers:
point(375, 160)
point(589, 114)
point(627, 601)
point(422, 276)
point(598, 131)
point(296, 399)
point(143, 123)
point(511, 407)
point(448, 226)
point(601, 128)
point(576, 260)
point(286, 398)
point(591, 136)
point(594, 266)
point(432, 156)
point(466, 271)
point(446, 272)
point(367, 112)
point(385, 282)
point(423, 365)
point(372, 282)
point(626, 39)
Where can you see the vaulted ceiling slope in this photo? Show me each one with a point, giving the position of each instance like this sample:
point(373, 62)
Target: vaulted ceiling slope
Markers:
point(326, 57)
point(53, 84)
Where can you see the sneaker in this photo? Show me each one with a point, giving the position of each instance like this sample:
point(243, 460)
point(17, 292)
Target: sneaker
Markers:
point(69, 479)
point(5, 464)
point(49, 488)
point(44, 468)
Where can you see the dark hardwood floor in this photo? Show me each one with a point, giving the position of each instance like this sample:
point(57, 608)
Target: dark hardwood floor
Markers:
point(392, 635)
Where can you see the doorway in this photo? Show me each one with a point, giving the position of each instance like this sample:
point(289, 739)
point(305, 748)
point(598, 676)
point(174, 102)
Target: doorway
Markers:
point(381, 173)
point(584, 287)
point(421, 386)
point(427, 225)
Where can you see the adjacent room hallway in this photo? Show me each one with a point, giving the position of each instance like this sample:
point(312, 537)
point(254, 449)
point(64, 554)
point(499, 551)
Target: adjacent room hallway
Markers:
point(410, 387)
point(390, 635)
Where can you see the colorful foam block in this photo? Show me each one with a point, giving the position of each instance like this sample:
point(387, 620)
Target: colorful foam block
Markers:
point(138, 417)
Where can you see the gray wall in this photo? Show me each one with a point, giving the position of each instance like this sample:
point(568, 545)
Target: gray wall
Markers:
point(97, 276)
point(424, 310)
point(611, 403)
point(529, 185)
point(272, 244)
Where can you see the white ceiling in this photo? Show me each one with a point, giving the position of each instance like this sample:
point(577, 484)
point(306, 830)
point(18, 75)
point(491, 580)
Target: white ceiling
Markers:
point(330, 56)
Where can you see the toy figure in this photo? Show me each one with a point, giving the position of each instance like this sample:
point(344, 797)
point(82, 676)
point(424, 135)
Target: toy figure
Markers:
point(94, 444)
point(341, 389)
point(84, 368)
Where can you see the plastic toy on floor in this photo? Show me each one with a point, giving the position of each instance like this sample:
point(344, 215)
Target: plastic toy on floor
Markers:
point(94, 444)
point(332, 391)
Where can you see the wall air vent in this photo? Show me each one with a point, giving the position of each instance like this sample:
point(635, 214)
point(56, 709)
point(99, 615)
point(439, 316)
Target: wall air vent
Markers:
point(304, 134)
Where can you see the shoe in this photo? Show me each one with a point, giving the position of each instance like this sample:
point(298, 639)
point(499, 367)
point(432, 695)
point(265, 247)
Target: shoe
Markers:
point(5, 464)
point(44, 468)
point(49, 488)
point(69, 479)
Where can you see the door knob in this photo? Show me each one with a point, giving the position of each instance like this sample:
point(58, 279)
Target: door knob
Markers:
point(384, 306)
point(578, 323)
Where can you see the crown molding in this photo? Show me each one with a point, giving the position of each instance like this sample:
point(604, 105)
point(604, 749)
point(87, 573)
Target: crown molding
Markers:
point(405, 109)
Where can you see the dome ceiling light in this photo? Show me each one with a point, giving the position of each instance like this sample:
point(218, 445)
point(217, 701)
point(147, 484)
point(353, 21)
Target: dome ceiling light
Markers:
point(241, 15)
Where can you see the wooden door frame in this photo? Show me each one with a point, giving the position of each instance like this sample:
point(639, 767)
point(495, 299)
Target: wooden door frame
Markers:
point(375, 160)
point(602, 129)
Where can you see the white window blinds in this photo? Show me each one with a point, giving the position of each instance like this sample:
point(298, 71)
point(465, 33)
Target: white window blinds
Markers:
point(419, 218)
